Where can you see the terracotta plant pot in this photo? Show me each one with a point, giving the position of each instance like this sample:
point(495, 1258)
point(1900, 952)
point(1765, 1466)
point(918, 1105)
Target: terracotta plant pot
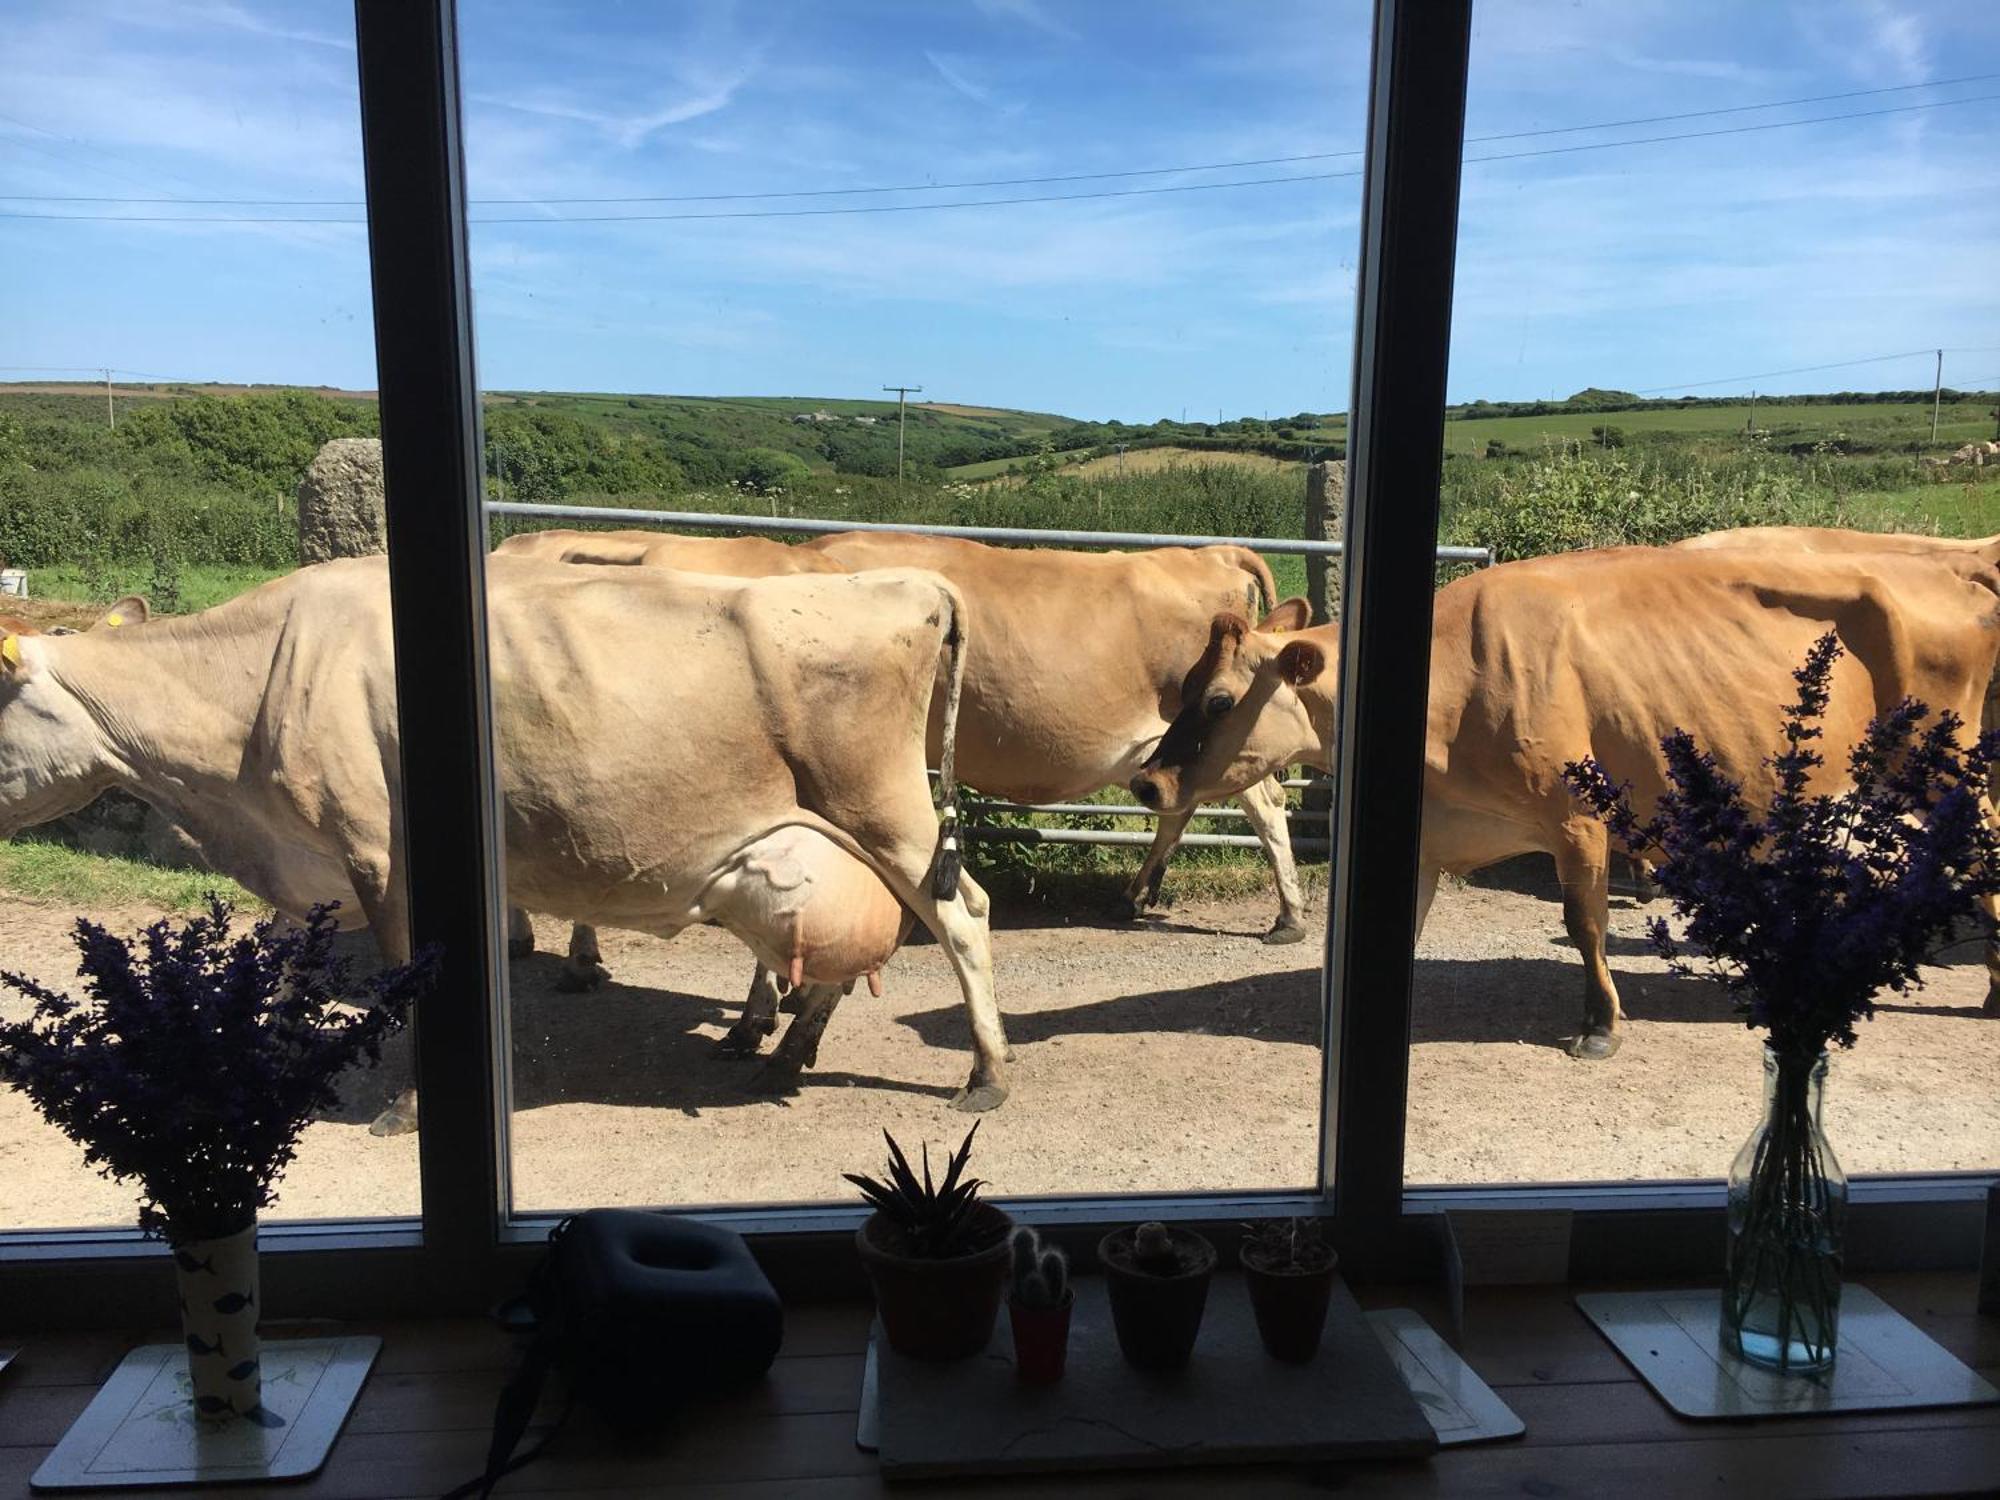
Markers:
point(1156, 1316)
point(1290, 1303)
point(937, 1309)
point(218, 1289)
point(1041, 1340)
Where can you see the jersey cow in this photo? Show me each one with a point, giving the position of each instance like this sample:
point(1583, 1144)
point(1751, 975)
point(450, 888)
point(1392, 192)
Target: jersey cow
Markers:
point(1795, 539)
point(1538, 663)
point(1073, 666)
point(672, 750)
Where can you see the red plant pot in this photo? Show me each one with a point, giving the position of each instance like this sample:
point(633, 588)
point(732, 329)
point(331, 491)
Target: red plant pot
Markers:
point(1041, 1340)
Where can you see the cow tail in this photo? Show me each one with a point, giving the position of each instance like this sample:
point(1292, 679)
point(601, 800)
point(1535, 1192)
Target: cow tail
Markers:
point(1260, 572)
point(946, 867)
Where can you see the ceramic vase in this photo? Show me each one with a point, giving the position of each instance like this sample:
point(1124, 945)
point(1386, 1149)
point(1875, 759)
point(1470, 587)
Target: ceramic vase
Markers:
point(218, 1289)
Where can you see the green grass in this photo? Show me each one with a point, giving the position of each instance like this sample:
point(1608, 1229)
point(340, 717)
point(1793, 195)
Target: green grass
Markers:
point(52, 874)
point(1888, 425)
point(203, 585)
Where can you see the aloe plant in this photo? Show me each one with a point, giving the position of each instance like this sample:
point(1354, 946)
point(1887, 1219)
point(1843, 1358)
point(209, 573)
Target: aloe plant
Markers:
point(937, 1220)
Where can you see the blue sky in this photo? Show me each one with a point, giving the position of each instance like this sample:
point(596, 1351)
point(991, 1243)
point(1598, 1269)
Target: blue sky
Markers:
point(1651, 265)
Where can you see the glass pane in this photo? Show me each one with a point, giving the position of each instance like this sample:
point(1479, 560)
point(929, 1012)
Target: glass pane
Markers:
point(1686, 304)
point(240, 740)
point(1108, 251)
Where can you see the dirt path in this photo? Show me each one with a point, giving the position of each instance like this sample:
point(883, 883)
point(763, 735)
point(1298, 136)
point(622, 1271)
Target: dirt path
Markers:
point(1179, 1055)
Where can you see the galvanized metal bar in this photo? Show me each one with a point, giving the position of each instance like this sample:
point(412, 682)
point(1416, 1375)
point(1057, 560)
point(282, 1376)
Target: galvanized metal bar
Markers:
point(700, 520)
point(1110, 810)
point(987, 833)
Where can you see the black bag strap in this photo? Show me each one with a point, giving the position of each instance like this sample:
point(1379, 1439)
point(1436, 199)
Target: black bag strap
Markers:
point(518, 1398)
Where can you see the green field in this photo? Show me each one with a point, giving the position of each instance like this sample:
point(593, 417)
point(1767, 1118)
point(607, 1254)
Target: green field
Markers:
point(1883, 426)
point(32, 870)
point(202, 585)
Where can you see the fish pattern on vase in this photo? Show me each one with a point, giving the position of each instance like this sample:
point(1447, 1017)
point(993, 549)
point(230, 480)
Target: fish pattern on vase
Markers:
point(218, 1293)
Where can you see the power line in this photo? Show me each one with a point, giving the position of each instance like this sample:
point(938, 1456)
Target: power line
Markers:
point(907, 208)
point(1844, 364)
point(999, 182)
point(95, 370)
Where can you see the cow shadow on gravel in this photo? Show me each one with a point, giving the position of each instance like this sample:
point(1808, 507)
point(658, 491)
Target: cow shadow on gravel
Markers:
point(621, 1045)
point(1280, 1007)
point(1516, 1000)
point(1539, 1001)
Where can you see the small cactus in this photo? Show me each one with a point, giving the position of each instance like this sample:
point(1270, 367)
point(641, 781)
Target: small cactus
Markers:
point(1154, 1249)
point(1041, 1272)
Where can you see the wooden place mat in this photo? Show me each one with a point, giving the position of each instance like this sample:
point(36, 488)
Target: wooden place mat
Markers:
point(1233, 1403)
point(1883, 1360)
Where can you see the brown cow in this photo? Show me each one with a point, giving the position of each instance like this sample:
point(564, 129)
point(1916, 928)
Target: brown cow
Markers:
point(1538, 663)
point(1835, 539)
point(670, 750)
point(1073, 667)
point(724, 556)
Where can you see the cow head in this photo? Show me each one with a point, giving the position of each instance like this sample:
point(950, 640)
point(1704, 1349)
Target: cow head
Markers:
point(49, 760)
point(1259, 698)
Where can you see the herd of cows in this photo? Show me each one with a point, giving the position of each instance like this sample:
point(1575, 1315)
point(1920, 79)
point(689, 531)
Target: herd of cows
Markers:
point(737, 731)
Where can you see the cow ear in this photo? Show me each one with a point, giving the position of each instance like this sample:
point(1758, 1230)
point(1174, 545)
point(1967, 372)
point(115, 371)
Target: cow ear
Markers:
point(131, 610)
point(10, 653)
point(1300, 662)
point(1292, 614)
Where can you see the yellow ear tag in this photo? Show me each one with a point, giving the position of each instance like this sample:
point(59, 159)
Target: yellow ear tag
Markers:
point(10, 650)
point(114, 620)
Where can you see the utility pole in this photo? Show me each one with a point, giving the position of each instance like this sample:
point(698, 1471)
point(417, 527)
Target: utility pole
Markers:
point(1937, 395)
point(1121, 460)
point(110, 410)
point(903, 393)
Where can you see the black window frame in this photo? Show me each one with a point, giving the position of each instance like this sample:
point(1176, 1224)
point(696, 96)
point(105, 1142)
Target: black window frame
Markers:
point(466, 1248)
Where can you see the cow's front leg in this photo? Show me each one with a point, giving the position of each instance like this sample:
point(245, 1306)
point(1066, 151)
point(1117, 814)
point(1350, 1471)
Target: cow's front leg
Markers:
point(520, 933)
point(1144, 891)
point(759, 1018)
point(1267, 810)
point(584, 968)
point(385, 905)
point(1990, 908)
point(799, 1048)
point(1582, 863)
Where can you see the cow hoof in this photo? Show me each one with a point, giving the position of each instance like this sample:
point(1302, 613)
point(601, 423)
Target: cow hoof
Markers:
point(976, 1100)
point(741, 1042)
point(580, 979)
point(1127, 909)
point(1286, 932)
point(520, 948)
point(1594, 1046)
point(395, 1120)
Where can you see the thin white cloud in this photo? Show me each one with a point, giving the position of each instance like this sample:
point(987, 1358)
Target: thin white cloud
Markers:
point(633, 127)
point(953, 71)
point(239, 18)
point(1896, 38)
point(1028, 12)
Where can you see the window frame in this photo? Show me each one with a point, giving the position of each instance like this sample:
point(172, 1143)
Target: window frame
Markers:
point(467, 1247)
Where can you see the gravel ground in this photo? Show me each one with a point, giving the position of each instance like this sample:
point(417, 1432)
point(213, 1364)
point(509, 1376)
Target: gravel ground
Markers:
point(1180, 1054)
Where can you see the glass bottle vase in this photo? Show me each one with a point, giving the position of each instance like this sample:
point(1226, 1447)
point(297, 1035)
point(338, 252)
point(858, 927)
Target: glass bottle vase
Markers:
point(1787, 1217)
